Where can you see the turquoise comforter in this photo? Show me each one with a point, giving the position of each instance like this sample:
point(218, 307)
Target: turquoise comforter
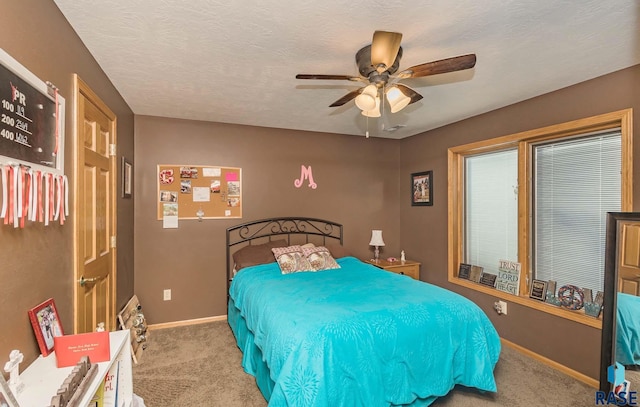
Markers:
point(628, 330)
point(357, 336)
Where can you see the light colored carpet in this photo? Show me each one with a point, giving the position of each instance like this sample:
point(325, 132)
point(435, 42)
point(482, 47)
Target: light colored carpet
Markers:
point(200, 365)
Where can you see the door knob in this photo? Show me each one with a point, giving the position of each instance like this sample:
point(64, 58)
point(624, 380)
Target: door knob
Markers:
point(84, 281)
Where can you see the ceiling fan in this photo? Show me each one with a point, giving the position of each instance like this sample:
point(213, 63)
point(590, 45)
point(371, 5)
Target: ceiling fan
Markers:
point(377, 64)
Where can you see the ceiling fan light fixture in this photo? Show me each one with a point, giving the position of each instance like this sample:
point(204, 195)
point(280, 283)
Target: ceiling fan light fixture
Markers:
point(397, 99)
point(375, 112)
point(367, 99)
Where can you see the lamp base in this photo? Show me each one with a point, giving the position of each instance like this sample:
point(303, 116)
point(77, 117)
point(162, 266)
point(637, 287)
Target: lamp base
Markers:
point(376, 254)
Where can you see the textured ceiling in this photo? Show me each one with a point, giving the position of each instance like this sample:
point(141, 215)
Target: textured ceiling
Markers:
point(235, 62)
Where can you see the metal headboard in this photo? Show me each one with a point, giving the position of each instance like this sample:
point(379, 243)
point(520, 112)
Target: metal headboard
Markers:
point(267, 229)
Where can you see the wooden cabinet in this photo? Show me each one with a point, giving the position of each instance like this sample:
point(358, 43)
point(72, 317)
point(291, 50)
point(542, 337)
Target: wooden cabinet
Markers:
point(407, 267)
point(43, 378)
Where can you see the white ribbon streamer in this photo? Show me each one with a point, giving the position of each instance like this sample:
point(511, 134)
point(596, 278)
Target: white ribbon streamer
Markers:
point(57, 196)
point(30, 210)
point(46, 198)
point(16, 178)
point(66, 195)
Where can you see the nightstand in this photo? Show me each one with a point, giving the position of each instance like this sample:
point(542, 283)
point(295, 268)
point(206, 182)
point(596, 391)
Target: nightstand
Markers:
point(407, 267)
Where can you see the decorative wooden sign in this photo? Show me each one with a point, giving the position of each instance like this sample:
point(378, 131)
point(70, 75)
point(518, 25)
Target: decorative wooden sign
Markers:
point(508, 277)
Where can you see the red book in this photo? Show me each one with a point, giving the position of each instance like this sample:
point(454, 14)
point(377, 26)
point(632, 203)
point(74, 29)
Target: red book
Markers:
point(70, 348)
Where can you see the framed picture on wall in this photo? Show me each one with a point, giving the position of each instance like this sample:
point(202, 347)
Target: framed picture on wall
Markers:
point(127, 174)
point(422, 188)
point(46, 325)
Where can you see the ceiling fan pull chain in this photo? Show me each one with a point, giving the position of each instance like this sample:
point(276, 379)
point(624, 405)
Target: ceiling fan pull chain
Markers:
point(382, 99)
point(366, 134)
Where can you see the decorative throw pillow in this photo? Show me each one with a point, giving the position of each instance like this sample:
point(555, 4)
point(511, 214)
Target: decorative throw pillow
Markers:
point(291, 260)
point(320, 258)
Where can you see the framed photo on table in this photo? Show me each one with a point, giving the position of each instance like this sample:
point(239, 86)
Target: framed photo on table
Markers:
point(46, 325)
point(538, 290)
point(422, 188)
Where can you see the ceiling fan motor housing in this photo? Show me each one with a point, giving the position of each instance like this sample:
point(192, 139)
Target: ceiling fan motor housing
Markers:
point(363, 60)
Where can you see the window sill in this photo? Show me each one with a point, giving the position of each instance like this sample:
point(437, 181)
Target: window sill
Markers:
point(577, 316)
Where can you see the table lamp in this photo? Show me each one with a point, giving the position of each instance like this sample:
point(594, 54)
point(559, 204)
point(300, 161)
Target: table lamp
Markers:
point(376, 240)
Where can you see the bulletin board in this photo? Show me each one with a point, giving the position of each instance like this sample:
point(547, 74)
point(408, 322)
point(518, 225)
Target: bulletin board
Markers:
point(199, 192)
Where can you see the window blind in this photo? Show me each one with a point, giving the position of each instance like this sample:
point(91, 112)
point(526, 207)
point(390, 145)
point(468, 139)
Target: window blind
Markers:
point(491, 208)
point(576, 182)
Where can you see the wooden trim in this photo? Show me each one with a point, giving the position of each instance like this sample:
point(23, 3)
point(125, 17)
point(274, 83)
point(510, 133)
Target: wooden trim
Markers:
point(590, 124)
point(555, 365)
point(576, 316)
point(524, 209)
point(524, 141)
point(452, 196)
point(626, 128)
point(81, 87)
point(187, 322)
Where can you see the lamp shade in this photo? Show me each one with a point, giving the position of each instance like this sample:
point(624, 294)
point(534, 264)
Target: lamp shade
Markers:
point(375, 112)
point(376, 238)
point(397, 99)
point(367, 99)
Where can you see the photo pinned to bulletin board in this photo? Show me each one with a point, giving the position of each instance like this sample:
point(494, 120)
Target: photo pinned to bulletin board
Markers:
point(199, 192)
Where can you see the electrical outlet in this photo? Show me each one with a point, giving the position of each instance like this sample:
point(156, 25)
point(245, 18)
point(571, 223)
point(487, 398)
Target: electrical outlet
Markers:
point(503, 307)
point(167, 294)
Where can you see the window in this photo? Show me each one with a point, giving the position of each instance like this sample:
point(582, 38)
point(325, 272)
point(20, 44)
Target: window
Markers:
point(540, 198)
point(576, 182)
point(491, 208)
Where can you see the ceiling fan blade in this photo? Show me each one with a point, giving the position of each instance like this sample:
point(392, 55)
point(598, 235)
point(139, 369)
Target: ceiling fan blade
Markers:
point(442, 66)
point(329, 77)
point(384, 49)
point(415, 96)
point(346, 98)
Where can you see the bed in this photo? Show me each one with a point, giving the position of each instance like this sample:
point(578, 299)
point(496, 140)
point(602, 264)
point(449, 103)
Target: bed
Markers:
point(628, 329)
point(350, 336)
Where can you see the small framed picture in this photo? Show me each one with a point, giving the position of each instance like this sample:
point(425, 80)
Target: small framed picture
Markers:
point(538, 290)
point(488, 279)
point(422, 188)
point(127, 178)
point(46, 325)
point(7, 399)
point(464, 271)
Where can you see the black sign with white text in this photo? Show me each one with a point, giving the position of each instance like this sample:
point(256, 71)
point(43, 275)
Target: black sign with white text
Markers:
point(27, 121)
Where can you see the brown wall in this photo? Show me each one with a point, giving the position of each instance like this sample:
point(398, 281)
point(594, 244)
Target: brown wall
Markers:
point(357, 182)
point(36, 262)
point(424, 229)
point(361, 183)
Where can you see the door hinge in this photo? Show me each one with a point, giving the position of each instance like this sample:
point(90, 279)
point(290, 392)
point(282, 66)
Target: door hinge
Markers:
point(112, 150)
point(113, 242)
